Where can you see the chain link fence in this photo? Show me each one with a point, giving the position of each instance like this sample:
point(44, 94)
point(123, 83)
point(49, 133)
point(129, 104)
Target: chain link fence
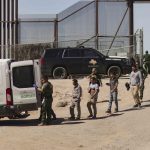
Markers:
point(24, 52)
point(120, 47)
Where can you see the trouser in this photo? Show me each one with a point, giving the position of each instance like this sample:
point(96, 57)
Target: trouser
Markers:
point(51, 110)
point(146, 66)
point(46, 110)
point(78, 108)
point(113, 97)
point(135, 94)
point(92, 103)
point(141, 91)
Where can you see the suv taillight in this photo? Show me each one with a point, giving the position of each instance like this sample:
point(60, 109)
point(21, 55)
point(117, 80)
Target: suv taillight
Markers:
point(9, 100)
point(42, 61)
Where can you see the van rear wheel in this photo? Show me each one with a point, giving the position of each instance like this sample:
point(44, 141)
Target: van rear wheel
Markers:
point(114, 69)
point(59, 73)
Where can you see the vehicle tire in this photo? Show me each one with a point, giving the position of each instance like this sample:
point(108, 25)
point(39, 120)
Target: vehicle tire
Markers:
point(59, 73)
point(114, 69)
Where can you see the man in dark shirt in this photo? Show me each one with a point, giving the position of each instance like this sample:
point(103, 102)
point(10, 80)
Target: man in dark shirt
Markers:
point(146, 60)
point(144, 74)
point(47, 91)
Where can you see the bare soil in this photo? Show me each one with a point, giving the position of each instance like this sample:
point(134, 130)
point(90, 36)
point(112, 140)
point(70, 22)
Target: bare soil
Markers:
point(129, 129)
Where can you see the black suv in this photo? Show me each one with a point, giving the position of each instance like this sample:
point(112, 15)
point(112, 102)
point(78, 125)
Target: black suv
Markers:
point(61, 62)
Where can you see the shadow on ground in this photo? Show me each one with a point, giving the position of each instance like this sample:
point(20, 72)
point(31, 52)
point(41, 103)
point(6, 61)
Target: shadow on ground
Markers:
point(104, 117)
point(132, 109)
point(105, 101)
point(146, 105)
point(72, 122)
point(146, 101)
point(28, 122)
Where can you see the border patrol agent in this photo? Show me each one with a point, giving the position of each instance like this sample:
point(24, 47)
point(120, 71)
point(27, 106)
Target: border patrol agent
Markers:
point(47, 111)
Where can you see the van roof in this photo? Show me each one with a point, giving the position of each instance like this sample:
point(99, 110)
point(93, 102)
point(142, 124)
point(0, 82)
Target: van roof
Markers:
point(4, 60)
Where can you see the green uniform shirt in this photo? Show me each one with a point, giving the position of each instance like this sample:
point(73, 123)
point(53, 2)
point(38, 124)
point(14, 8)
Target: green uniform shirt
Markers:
point(47, 89)
point(146, 57)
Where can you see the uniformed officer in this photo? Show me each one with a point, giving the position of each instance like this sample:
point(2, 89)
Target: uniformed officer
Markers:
point(146, 60)
point(47, 111)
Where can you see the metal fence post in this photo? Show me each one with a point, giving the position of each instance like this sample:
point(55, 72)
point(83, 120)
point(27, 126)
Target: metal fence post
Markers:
point(97, 24)
point(131, 26)
point(141, 47)
point(55, 45)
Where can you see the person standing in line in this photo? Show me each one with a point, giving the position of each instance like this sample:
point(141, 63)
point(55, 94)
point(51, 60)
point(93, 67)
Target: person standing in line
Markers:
point(113, 83)
point(93, 91)
point(76, 98)
point(146, 60)
point(144, 74)
point(47, 111)
point(96, 75)
point(136, 82)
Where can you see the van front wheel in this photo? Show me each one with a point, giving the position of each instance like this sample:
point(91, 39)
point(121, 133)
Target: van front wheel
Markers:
point(59, 73)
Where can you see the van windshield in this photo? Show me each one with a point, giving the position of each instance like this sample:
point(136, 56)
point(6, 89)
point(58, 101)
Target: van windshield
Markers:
point(23, 76)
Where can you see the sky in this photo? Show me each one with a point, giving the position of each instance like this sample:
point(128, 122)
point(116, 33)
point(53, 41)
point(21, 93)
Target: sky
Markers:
point(142, 20)
point(44, 6)
point(141, 11)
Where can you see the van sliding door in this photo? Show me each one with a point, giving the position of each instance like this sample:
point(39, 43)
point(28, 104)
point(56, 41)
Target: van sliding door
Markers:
point(22, 82)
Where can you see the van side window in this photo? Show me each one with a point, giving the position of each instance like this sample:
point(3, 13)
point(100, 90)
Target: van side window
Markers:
point(72, 53)
point(23, 76)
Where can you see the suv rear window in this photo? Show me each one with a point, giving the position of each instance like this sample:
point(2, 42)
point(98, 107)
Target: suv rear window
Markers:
point(23, 76)
point(90, 54)
point(72, 53)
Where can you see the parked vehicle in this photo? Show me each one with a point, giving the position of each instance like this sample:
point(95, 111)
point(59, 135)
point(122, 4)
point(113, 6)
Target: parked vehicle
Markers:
point(61, 62)
point(17, 91)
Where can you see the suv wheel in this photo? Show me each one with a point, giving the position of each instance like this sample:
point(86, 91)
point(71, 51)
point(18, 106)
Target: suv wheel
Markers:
point(59, 73)
point(114, 69)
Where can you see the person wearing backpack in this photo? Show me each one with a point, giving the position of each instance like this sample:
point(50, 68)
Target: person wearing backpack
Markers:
point(46, 109)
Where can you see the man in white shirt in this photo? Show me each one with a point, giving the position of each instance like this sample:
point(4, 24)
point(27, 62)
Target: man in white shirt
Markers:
point(135, 83)
point(76, 98)
point(93, 95)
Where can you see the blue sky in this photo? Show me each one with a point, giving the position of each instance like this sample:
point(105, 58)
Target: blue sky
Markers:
point(142, 20)
point(44, 6)
point(141, 11)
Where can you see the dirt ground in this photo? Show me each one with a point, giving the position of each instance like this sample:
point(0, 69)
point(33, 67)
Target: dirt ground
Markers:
point(129, 129)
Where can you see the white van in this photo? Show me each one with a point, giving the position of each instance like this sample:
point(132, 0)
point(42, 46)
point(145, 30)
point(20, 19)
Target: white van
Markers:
point(17, 91)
